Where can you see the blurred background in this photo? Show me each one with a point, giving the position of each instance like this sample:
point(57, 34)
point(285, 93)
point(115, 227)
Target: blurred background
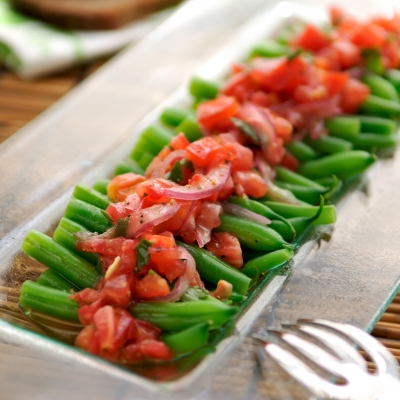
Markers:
point(47, 47)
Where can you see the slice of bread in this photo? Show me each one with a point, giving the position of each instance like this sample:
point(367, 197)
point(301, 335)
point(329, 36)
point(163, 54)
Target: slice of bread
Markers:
point(89, 14)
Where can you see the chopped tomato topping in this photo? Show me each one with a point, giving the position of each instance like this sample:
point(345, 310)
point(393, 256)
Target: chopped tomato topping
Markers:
point(206, 151)
point(252, 183)
point(312, 39)
point(223, 291)
point(152, 285)
point(227, 247)
point(290, 162)
point(353, 95)
point(179, 142)
point(123, 185)
point(212, 112)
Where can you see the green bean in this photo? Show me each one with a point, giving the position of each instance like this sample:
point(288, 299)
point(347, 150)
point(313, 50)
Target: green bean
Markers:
point(251, 234)
point(179, 316)
point(328, 214)
point(190, 128)
point(380, 86)
point(286, 175)
point(213, 269)
point(393, 76)
point(144, 145)
point(327, 181)
point(378, 106)
point(173, 116)
point(265, 263)
point(261, 209)
point(303, 152)
point(90, 196)
point(187, 340)
point(343, 127)
point(373, 60)
point(159, 136)
point(309, 195)
point(237, 298)
point(343, 165)
point(90, 217)
point(145, 159)
point(65, 234)
point(49, 301)
point(269, 48)
point(330, 144)
point(368, 140)
point(101, 186)
point(300, 224)
point(377, 125)
point(60, 259)
point(53, 280)
point(201, 88)
point(128, 165)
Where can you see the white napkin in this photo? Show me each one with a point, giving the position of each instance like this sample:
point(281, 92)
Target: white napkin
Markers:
point(32, 48)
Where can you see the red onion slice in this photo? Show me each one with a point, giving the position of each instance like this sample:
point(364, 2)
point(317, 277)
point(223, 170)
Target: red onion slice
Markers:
point(211, 183)
point(234, 209)
point(171, 159)
point(183, 282)
point(144, 219)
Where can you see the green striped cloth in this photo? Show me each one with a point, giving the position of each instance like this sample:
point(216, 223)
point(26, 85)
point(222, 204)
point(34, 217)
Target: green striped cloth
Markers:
point(32, 48)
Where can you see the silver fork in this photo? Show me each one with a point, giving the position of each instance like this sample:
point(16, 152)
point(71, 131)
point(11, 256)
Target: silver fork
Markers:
point(346, 363)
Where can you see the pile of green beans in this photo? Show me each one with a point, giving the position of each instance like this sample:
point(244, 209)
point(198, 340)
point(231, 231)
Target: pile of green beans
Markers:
point(345, 152)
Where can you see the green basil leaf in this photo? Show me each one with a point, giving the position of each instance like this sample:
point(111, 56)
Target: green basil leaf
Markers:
point(247, 130)
point(177, 173)
point(142, 254)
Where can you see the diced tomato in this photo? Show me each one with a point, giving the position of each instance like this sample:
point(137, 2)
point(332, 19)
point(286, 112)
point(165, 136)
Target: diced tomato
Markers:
point(206, 151)
point(206, 221)
point(155, 350)
point(212, 112)
point(85, 297)
point(152, 285)
point(349, 55)
point(174, 224)
point(121, 210)
point(240, 86)
point(327, 59)
point(307, 94)
point(123, 185)
point(226, 246)
point(87, 312)
point(117, 290)
point(108, 247)
point(335, 81)
point(283, 127)
point(132, 354)
point(262, 99)
point(353, 95)
point(253, 184)
point(312, 39)
point(146, 331)
point(179, 142)
point(167, 262)
point(85, 338)
point(290, 162)
point(389, 23)
point(161, 241)
point(150, 192)
point(242, 157)
point(367, 35)
point(227, 190)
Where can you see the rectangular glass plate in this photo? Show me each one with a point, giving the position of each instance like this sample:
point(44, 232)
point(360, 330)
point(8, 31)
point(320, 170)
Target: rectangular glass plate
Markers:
point(349, 278)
